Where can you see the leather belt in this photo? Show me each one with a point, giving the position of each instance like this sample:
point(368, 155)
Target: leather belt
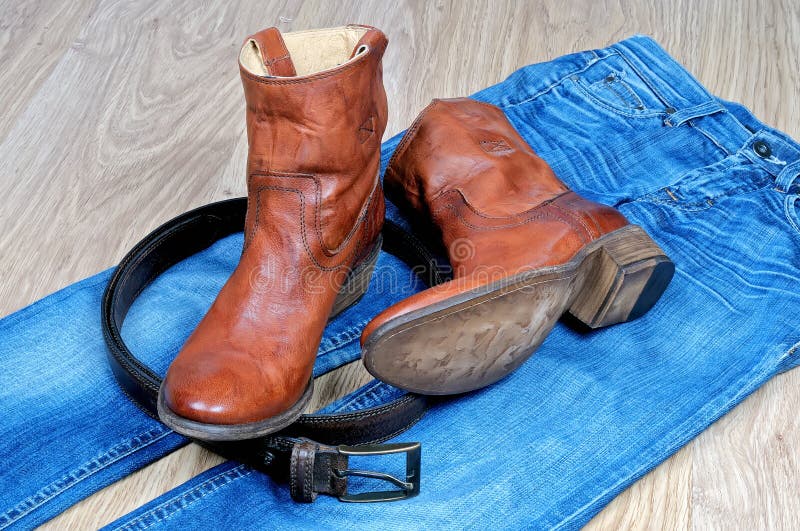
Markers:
point(312, 454)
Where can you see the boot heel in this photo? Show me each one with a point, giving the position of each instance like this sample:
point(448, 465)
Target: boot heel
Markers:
point(357, 282)
point(624, 279)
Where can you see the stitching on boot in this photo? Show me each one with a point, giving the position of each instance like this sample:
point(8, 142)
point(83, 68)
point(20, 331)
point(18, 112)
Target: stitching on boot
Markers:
point(366, 129)
point(499, 146)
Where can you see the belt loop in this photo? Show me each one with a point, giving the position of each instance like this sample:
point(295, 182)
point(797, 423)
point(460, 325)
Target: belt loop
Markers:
point(682, 116)
point(787, 177)
point(312, 470)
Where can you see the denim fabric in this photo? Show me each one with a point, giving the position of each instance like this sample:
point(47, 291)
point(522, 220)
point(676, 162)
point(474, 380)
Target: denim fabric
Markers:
point(68, 430)
point(551, 444)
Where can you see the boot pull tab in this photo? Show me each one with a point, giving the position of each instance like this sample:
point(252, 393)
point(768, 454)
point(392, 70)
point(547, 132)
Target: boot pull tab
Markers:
point(373, 39)
point(274, 53)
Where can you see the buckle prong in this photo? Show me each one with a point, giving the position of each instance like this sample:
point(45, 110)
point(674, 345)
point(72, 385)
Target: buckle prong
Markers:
point(408, 488)
point(374, 475)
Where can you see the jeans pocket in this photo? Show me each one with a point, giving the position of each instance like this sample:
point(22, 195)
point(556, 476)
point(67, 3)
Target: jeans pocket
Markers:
point(703, 188)
point(615, 85)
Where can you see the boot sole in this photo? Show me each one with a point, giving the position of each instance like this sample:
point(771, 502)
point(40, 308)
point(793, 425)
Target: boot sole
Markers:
point(351, 292)
point(476, 338)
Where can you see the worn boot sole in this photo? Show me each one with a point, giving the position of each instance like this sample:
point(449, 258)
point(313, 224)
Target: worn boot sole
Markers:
point(475, 338)
point(351, 292)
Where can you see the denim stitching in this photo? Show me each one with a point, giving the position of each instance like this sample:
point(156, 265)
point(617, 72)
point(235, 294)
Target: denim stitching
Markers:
point(556, 83)
point(645, 79)
point(699, 206)
point(620, 89)
point(618, 74)
point(342, 338)
point(597, 101)
point(365, 392)
point(693, 123)
point(729, 162)
point(84, 471)
point(618, 86)
point(231, 475)
point(791, 352)
point(790, 209)
point(588, 65)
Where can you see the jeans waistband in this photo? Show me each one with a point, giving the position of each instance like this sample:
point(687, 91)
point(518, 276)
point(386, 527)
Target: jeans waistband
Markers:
point(685, 99)
point(685, 102)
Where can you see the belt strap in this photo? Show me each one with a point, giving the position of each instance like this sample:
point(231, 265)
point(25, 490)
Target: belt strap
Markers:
point(312, 453)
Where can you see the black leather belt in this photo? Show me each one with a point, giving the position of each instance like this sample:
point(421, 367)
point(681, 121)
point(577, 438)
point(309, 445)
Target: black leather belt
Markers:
point(311, 454)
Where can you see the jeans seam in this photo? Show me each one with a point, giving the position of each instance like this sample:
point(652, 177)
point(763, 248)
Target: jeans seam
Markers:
point(554, 84)
point(788, 204)
point(343, 338)
point(238, 472)
point(699, 206)
point(366, 392)
point(791, 351)
point(646, 79)
point(82, 472)
point(679, 434)
point(711, 137)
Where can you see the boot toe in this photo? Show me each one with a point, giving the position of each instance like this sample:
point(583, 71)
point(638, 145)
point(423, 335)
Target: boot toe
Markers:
point(224, 389)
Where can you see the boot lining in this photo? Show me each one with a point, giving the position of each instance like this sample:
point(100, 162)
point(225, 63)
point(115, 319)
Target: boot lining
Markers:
point(311, 51)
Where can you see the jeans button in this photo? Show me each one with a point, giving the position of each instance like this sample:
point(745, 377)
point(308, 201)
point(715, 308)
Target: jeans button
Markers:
point(762, 149)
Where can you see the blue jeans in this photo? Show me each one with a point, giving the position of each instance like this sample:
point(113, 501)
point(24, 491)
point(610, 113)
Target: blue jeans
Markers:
point(551, 444)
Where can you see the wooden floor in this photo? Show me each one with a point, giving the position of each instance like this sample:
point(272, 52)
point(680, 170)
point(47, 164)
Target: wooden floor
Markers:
point(116, 116)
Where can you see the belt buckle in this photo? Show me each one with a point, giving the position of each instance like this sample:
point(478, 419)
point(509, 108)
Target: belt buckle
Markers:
point(408, 488)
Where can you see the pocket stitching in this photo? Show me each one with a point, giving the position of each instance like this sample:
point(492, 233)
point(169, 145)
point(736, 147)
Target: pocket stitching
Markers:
point(790, 209)
point(699, 206)
point(618, 86)
point(638, 103)
point(581, 84)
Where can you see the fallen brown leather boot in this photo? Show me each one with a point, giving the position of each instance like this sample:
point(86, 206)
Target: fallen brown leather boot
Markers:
point(523, 247)
point(316, 111)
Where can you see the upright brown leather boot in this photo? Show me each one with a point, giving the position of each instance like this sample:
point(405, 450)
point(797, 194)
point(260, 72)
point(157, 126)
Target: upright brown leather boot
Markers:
point(316, 111)
point(523, 247)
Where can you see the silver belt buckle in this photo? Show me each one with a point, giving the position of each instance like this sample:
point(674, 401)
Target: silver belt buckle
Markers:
point(407, 489)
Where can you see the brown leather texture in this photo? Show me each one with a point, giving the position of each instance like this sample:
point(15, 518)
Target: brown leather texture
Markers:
point(315, 211)
point(497, 207)
point(274, 53)
point(312, 470)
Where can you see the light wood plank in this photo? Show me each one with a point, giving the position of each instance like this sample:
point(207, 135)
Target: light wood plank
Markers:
point(34, 36)
point(118, 115)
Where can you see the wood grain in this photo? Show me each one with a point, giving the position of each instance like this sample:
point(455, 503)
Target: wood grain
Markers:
point(118, 115)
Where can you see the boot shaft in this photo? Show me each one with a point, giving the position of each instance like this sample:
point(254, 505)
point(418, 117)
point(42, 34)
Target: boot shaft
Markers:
point(315, 99)
point(463, 167)
point(469, 147)
point(316, 109)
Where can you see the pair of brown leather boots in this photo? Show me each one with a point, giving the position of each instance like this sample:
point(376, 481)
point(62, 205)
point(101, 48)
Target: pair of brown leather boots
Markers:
point(524, 248)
